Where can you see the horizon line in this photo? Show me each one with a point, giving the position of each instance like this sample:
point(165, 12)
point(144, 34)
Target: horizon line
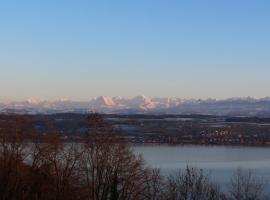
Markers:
point(132, 97)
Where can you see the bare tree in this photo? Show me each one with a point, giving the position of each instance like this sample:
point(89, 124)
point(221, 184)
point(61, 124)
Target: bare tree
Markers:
point(191, 184)
point(109, 167)
point(34, 169)
point(15, 130)
point(245, 186)
point(155, 185)
point(111, 170)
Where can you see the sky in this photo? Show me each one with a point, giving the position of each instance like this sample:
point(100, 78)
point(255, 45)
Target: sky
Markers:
point(79, 49)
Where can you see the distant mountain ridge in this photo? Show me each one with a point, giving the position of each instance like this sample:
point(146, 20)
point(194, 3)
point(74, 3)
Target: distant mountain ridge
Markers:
point(141, 104)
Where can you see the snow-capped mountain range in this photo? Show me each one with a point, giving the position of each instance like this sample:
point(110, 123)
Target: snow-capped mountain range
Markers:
point(142, 104)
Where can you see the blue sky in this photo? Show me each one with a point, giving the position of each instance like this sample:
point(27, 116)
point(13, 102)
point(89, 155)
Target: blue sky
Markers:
point(80, 49)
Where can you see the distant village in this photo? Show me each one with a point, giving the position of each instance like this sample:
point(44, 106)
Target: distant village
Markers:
point(161, 129)
point(204, 130)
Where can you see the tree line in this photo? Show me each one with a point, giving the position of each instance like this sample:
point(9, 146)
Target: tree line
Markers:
point(102, 166)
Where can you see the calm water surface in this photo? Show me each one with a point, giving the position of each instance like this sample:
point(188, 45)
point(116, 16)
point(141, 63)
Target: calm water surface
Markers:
point(219, 161)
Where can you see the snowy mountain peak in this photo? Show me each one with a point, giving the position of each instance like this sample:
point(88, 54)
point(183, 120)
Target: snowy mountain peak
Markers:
point(142, 104)
point(141, 100)
point(33, 101)
point(103, 101)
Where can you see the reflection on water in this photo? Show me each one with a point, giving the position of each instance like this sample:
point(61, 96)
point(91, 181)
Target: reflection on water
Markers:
point(219, 161)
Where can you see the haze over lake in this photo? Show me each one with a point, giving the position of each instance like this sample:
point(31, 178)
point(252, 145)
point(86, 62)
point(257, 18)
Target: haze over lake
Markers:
point(220, 161)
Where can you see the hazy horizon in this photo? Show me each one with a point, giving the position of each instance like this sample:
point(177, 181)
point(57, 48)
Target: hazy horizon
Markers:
point(82, 49)
point(33, 99)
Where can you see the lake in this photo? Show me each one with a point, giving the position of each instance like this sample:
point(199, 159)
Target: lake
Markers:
point(219, 161)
